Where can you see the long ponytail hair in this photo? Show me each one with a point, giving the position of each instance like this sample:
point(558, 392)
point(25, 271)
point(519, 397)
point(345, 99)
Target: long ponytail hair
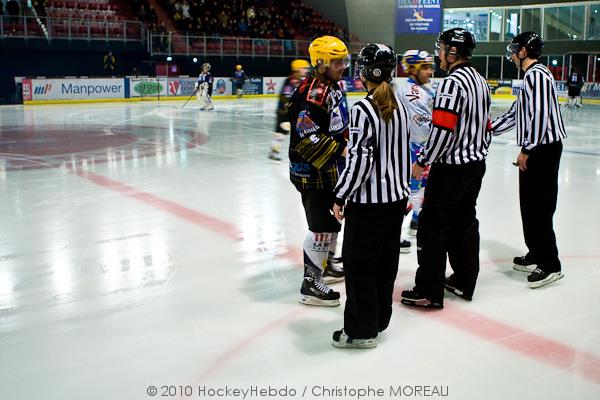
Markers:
point(385, 100)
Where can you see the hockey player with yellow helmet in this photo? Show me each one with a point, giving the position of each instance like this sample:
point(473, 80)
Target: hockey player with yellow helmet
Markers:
point(239, 79)
point(319, 126)
point(282, 128)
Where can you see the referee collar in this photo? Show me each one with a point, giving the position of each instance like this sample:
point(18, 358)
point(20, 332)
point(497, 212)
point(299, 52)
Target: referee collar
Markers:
point(461, 65)
point(532, 65)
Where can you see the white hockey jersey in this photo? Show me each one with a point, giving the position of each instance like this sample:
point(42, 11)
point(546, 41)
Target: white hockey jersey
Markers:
point(418, 100)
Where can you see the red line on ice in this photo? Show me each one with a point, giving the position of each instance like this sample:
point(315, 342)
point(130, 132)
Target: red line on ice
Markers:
point(539, 348)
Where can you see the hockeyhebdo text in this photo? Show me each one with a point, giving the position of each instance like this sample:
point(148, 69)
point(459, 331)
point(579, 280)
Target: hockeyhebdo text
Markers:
point(311, 392)
point(90, 89)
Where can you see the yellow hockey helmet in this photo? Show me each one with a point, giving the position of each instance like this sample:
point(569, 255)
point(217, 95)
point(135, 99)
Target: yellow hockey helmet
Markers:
point(297, 65)
point(238, 67)
point(327, 48)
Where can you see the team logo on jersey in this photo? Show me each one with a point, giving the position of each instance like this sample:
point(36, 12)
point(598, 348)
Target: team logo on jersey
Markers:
point(314, 138)
point(339, 118)
point(305, 124)
point(421, 119)
point(337, 122)
point(414, 94)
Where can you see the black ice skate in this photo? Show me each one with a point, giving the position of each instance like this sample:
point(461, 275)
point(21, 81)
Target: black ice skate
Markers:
point(404, 246)
point(414, 226)
point(413, 298)
point(315, 293)
point(450, 285)
point(539, 278)
point(332, 275)
point(334, 271)
point(524, 264)
point(342, 341)
point(274, 155)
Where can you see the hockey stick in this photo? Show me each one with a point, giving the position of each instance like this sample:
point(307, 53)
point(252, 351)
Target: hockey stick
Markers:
point(193, 94)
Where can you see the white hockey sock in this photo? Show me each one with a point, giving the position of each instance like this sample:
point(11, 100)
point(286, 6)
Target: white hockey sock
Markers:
point(416, 199)
point(316, 249)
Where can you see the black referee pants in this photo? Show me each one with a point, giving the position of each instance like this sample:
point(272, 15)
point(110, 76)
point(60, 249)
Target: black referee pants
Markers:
point(448, 227)
point(538, 192)
point(371, 251)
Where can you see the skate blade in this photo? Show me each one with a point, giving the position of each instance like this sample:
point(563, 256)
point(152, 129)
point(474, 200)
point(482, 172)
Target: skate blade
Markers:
point(363, 344)
point(311, 301)
point(421, 303)
point(457, 293)
point(550, 279)
point(524, 268)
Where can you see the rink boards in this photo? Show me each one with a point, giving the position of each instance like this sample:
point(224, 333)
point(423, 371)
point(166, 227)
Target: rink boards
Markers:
point(95, 90)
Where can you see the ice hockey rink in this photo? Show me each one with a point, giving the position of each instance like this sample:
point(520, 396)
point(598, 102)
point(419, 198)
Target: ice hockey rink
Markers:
point(144, 246)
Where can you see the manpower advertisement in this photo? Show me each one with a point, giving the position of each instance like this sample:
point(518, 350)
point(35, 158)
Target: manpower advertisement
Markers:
point(73, 89)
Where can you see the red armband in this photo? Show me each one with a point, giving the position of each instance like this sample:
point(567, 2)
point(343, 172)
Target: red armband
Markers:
point(444, 119)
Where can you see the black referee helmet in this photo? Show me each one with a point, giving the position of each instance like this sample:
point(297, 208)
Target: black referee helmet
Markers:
point(532, 42)
point(376, 62)
point(460, 38)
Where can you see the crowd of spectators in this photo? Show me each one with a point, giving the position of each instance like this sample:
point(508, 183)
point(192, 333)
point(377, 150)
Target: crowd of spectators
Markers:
point(144, 11)
point(271, 19)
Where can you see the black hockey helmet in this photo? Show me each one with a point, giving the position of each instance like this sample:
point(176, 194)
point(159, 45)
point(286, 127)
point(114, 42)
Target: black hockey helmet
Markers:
point(530, 40)
point(462, 39)
point(376, 62)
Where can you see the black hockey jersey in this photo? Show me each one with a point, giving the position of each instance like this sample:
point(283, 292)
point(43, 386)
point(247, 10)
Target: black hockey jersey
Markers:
point(319, 127)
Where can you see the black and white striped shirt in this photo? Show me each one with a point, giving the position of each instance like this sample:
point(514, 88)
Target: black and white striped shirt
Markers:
point(378, 161)
point(460, 119)
point(536, 112)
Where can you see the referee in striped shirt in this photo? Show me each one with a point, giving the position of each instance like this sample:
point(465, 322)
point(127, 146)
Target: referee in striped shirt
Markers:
point(373, 190)
point(456, 150)
point(540, 131)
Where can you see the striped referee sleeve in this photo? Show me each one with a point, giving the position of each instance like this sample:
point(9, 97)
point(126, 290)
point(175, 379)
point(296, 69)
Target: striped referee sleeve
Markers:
point(360, 152)
point(506, 121)
point(537, 97)
point(446, 111)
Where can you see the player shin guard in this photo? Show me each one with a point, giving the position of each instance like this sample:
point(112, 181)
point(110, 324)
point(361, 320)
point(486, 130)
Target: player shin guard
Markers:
point(416, 199)
point(276, 143)
point(316, 249)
